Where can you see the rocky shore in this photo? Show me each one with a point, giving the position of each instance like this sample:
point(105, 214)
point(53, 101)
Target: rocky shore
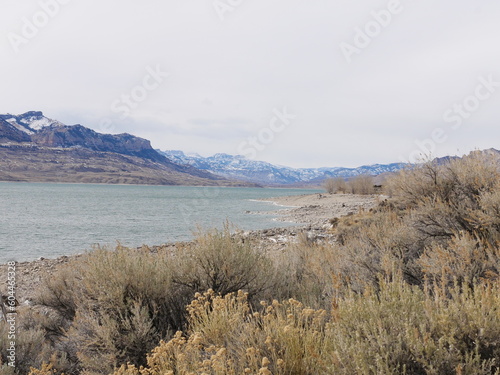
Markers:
point(312, 213)
point(317, 209)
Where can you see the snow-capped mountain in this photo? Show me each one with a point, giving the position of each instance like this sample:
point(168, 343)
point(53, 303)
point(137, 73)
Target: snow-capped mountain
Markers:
point(38, 130)
point(29, 122)
point(36, 148)
point(237, 166)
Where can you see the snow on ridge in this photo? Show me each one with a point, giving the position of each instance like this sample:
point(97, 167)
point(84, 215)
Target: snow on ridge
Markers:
point(37, 123)
point(30, 122)
point(18, 126)
point(237, 166)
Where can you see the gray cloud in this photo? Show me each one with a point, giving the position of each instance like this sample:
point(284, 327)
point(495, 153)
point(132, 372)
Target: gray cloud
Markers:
point(227, 77)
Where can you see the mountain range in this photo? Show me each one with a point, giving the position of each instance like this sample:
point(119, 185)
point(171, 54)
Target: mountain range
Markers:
point(38, 149)
point(35, 148)
point(238, 167)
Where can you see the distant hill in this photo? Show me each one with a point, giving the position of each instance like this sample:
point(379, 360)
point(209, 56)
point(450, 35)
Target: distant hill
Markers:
point(36, 148)
point(231, 166)
point(260, 172)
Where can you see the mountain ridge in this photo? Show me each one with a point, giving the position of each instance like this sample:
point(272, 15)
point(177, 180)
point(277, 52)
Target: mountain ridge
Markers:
point(237, 166)
point(29, 134)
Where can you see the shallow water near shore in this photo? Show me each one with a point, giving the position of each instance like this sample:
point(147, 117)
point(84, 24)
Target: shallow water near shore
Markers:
point(50, 220)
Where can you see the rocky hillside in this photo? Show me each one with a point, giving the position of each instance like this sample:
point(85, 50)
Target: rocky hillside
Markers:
point(36, 148)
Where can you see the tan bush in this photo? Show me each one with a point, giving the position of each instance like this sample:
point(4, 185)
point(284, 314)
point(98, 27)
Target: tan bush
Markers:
point(335, 185)
point(362, 184)
point(398, 329)
point(45, 369)
point(228, 338)
point(31, 349)
point(452, 197)
point(375, 244)
point(224, 263)
point(116, 305)
point(442, 218)
point(305, 271)
point(463, 259)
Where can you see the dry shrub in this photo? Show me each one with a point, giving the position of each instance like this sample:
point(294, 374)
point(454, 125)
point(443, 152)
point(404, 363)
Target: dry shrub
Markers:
point(304, 271)
point(464, 258)
point(228, 338)
point(45, 369)
point(30, 348)
point(399, 329)
point(116, 305)
point(374, 244)
point(335, 185)
point(461, 195)
point(435, 209)
point(224, 263)
point(58, 293)
point(362, 184)
point(111, 307)
point(403, 329)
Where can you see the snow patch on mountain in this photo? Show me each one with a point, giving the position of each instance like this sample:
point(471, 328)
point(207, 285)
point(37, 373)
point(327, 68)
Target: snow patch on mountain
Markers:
point(30, 122)
point(36, 120)
point(39, 123)
point(20, 127)
point(237, 166)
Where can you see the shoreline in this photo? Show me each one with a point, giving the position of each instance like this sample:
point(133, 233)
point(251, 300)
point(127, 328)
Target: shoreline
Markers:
point(310, 212)
point(317, 209)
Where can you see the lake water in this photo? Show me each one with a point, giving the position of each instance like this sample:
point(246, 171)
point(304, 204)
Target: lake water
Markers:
point(51, 220)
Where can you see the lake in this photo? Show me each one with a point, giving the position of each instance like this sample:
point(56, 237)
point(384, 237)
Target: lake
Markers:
point(50, 220)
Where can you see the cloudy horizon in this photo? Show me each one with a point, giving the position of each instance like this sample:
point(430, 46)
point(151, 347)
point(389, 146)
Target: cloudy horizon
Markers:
point(301, 84)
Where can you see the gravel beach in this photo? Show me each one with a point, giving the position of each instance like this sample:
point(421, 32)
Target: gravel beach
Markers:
point(318, 209)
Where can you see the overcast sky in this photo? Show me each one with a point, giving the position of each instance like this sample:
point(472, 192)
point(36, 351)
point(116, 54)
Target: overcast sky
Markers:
point(302, 83)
